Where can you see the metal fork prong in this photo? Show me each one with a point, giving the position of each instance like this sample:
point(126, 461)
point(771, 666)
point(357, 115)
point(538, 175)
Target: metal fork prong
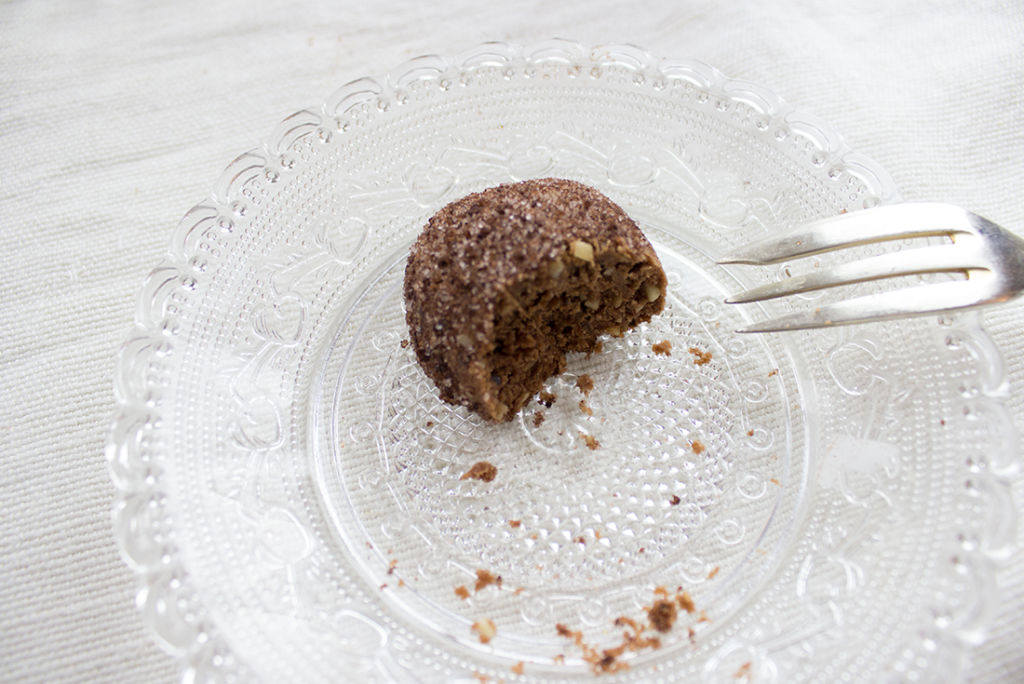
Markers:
point(938, 259)
point(914, 301)
point(891, 222)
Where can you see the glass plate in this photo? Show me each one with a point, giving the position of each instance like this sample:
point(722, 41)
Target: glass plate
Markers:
point(289, 485)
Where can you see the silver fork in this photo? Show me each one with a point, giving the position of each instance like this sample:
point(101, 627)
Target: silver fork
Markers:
point(991, 258)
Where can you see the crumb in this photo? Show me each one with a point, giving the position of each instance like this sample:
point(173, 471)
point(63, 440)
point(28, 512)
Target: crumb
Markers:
point(787, 272)
point(942, 421)
point(560, 659)
point(674, 500)
point(401, 582)
point(482, 678)
point(700, 357)
point(404, 344)
point(591, 441)
point(538, 418)
point(640, 550)
point(586, 409)
point(585, 384)
point(691, 633)
point(843, 210)
point(515, 523)
point(703, 617)
point(714, 571)
point(462, 592)
point(744, 671)
point(663, 348)
point(430, 423)
point(392, 565)
point(607, 663)
point(597, 534)
point(774, 481)
point(369, 545)
point(517, 668)
point(481, 470)
point(697, 447)
point(623, 621)
point(546, 399)
point(662, 615)
point(750, 432)
point(775, 371)
point(485, 578)
point(518, 591)
point(600, 661)
point(485, 629)
point(383, 586)
point(685, 601)
point(580, 540)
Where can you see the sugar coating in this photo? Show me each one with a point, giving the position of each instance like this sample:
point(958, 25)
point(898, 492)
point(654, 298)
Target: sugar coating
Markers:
point(502, 283)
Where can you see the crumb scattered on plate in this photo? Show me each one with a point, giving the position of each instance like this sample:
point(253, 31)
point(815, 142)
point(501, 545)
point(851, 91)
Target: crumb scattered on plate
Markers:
point(462, 592)
point(538, 418)
point(591, 441)
point(714, 571)
point(696, 445)
point(664, 348)
point(517, 668)
point(662, 615)
point(546, 399)
point(485, 629)
point(515, 523)
point(586, 409)
point(485, 578)
point(585, 384)
point(700, 357)
point(481, 470)
point(674, 500)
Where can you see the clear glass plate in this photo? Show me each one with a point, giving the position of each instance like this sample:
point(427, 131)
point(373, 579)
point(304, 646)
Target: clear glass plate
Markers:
point(289, 485)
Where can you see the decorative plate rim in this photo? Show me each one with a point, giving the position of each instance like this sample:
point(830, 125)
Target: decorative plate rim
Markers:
point(166, 599)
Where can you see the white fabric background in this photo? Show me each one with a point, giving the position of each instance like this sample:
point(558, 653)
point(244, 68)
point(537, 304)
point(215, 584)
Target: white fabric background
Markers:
point(116, 117)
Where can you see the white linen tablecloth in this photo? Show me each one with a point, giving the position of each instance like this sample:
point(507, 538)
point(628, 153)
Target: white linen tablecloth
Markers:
point(116, 117)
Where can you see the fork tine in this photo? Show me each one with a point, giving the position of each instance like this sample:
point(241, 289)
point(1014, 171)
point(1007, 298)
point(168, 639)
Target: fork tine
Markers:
point(914, 301)
point(938, 259)
point(890, 222)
